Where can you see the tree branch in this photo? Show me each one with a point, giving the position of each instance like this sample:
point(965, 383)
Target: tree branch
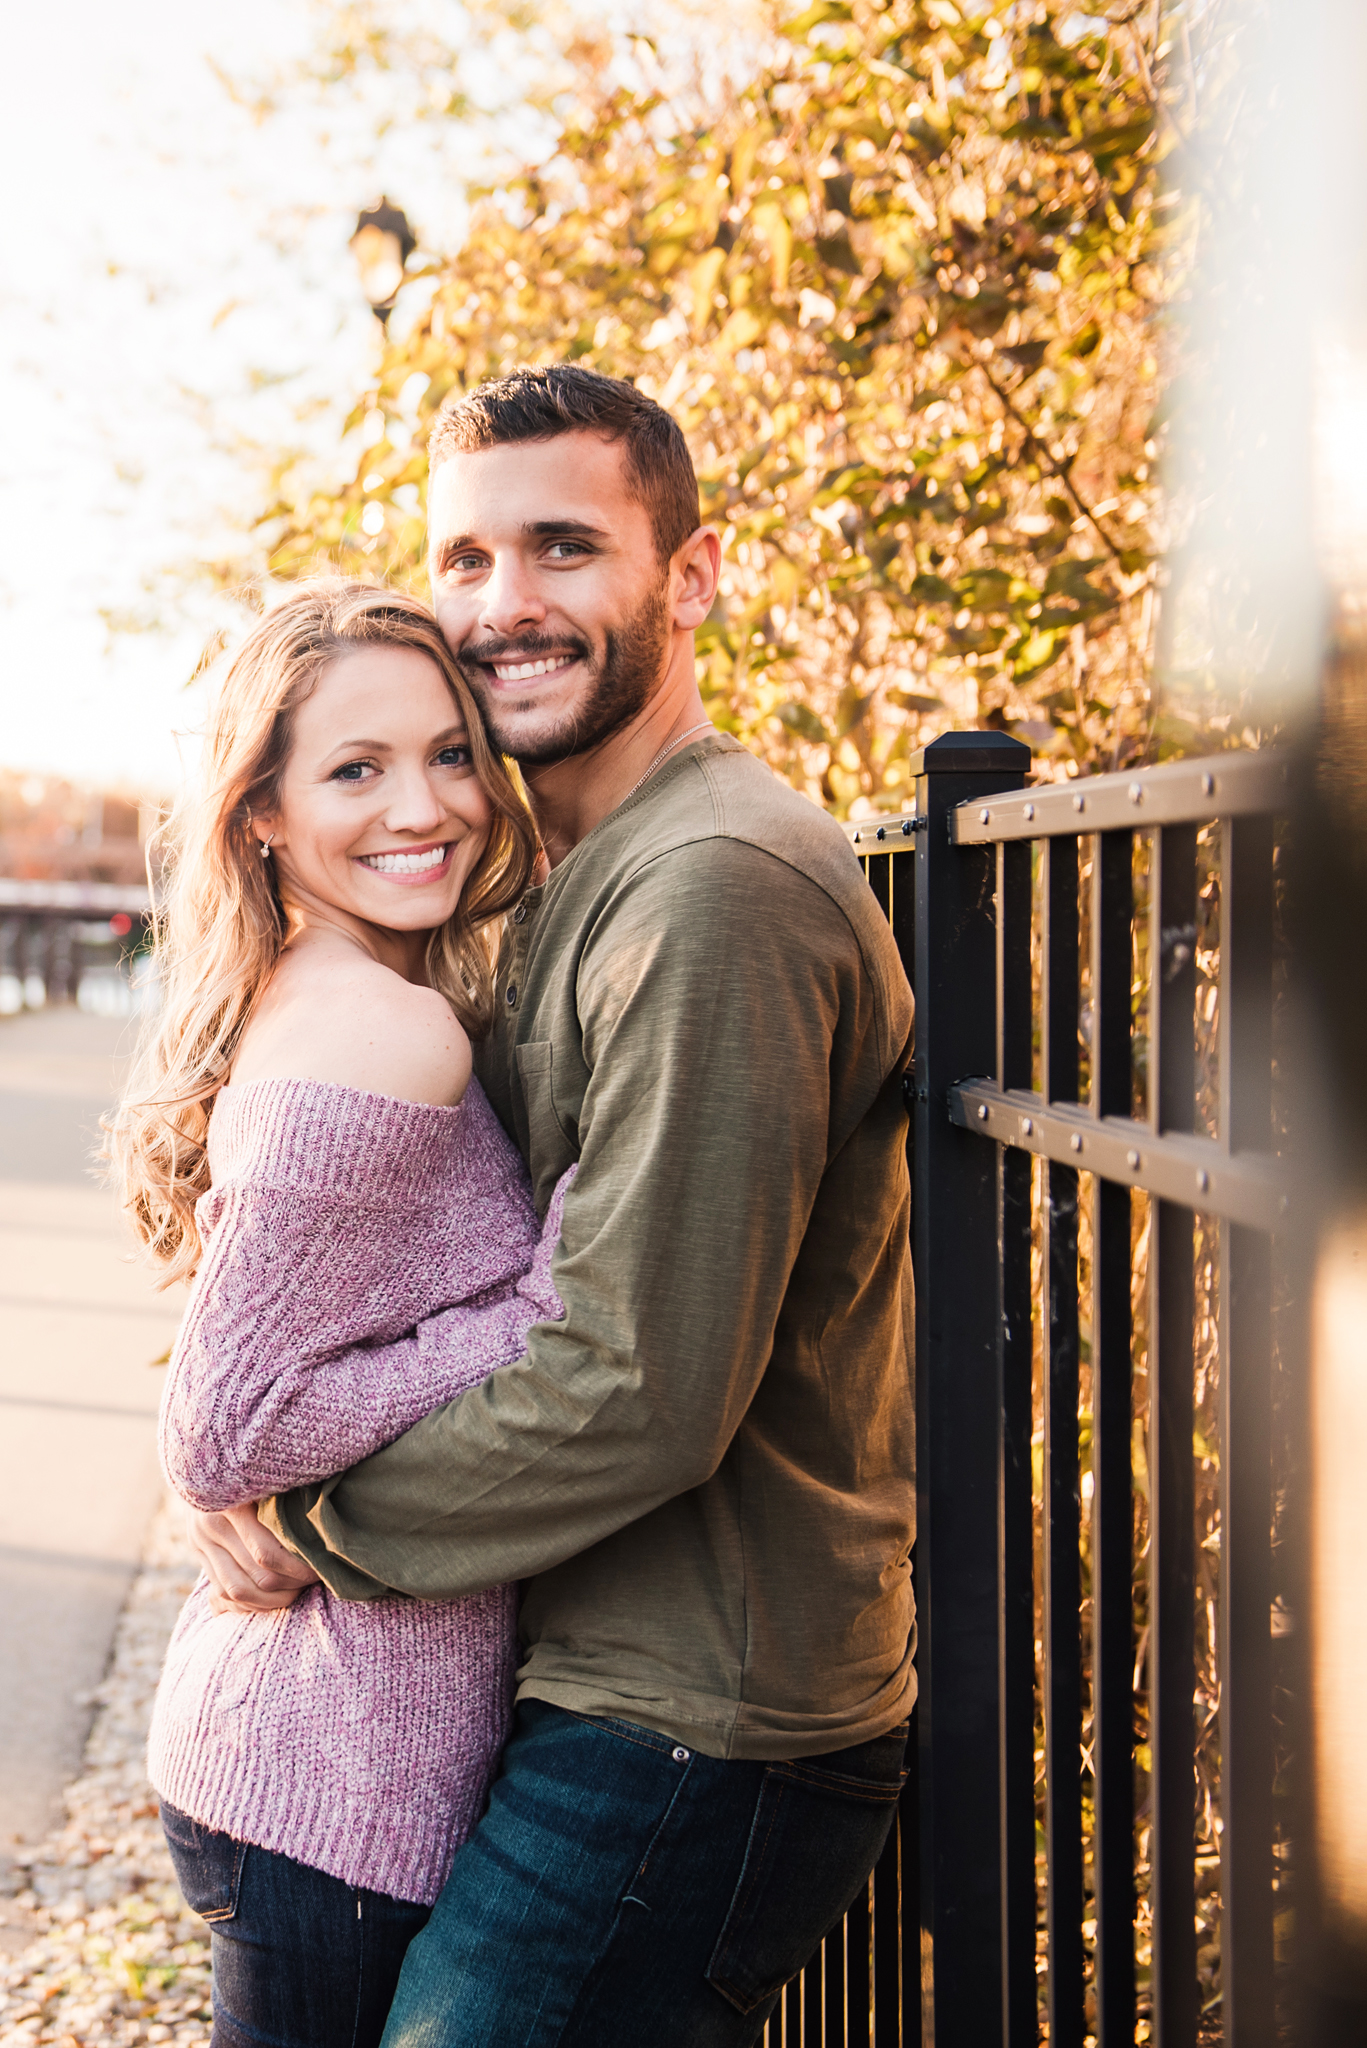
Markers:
point(1059, 472)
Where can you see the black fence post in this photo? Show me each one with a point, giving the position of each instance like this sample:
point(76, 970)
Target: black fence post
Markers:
point(958, 1320)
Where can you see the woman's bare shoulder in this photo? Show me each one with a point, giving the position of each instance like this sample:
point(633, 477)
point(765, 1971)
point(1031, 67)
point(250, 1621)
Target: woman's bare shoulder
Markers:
point(331, 1016)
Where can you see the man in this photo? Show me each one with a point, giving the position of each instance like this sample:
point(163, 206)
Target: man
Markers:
point(704, 1474)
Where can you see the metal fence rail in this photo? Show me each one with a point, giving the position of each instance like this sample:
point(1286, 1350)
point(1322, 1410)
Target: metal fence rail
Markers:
point(981, 887)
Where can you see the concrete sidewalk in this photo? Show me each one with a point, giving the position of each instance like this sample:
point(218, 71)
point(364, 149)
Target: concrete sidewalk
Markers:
point(79, 1328)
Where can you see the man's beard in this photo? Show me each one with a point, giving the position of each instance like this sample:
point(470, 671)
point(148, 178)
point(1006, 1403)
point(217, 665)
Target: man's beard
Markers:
point(620, 685)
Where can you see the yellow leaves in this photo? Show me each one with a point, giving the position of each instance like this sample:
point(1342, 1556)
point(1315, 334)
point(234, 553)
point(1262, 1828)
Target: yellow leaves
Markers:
point(784, 581)
point(703, 280)
point(662, 257)
point(771, 224)
point(743, 159)
point(806, 281)
point(898, 245)
point(740, 330)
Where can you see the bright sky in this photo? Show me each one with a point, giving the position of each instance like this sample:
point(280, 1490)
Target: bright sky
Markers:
point(175, 290)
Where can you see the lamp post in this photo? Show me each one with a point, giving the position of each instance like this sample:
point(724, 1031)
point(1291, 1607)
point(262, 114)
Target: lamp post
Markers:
point(382, 244)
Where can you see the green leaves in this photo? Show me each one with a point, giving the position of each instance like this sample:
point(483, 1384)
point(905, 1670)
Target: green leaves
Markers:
point(801, 720)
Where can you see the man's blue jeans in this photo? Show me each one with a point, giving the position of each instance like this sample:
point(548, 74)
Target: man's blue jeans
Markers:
point(623, 1891)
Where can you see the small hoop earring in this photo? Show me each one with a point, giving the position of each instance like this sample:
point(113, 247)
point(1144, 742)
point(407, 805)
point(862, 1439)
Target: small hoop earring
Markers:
point(266, 847)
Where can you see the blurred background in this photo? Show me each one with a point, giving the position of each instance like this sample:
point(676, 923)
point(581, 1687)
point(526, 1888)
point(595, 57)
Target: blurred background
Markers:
point(1022, 350)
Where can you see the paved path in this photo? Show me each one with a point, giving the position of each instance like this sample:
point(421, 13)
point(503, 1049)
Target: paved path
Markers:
point(79, 1328)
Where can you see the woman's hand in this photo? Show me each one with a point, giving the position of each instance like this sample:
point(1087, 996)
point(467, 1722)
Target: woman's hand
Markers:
point(249, 1571)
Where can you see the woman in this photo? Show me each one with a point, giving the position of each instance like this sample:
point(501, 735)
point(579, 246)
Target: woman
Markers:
point(303, 1136)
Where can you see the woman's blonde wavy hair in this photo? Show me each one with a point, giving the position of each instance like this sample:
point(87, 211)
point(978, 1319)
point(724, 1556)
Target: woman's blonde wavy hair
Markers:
point(219, 929)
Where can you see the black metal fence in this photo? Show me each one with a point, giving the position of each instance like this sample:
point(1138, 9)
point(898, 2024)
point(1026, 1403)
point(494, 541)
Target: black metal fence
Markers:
point(1089, 1849)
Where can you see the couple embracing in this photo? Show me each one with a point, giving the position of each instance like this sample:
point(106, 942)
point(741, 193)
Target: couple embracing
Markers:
point(543, 1396)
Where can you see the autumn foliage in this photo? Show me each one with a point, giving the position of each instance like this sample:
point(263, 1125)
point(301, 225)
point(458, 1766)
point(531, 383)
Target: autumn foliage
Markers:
point(899, 290)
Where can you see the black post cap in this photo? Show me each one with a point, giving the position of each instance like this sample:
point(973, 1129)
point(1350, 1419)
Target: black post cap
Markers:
point(972, 753)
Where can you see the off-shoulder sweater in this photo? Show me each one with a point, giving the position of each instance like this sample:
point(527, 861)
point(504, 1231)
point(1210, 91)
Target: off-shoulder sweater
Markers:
point(358, 1738)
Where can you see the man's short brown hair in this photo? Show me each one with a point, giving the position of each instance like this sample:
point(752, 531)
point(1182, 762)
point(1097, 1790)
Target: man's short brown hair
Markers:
point(564, 398)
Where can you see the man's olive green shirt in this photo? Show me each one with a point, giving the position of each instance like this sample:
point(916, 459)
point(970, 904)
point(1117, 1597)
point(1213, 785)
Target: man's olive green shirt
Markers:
point(704, 1474)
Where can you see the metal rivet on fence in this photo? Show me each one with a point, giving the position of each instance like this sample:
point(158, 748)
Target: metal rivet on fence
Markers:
point(1203, 1180)
point(1132, 1159)
point(1207, 785)
point(1029, 812)
point(982, 1112)
point(1136, 792)
point(1079, 803)
point(1028, 1127)
point(1076, 1141)
point(984, 817)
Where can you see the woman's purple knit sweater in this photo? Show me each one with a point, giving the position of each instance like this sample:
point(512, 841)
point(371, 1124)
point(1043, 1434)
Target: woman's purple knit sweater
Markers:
point(355, 1737)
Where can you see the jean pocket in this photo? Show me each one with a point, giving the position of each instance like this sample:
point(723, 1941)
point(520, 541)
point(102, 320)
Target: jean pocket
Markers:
point(208, 1865)
point(818, 1829)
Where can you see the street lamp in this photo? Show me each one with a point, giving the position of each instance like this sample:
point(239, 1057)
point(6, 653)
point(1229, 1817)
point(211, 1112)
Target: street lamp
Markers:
point(382, 244)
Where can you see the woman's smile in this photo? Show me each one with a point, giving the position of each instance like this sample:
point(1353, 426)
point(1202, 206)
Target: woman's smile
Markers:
point(410, 863)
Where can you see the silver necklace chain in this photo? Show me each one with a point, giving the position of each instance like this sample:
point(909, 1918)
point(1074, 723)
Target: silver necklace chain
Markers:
point(702, 726)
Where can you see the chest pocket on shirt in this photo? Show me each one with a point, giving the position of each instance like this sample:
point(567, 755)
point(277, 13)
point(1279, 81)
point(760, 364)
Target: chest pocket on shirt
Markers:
point(551, 1141)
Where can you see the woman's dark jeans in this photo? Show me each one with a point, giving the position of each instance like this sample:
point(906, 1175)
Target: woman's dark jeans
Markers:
point(300, 1959)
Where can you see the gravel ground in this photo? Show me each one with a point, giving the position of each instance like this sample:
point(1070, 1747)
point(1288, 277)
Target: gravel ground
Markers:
point(108, 1952)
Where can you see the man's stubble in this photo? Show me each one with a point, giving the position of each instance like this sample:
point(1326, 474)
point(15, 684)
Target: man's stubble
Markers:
point(622, 683)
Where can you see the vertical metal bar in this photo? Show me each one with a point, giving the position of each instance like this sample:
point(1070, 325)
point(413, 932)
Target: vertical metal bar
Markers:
point(1062, 1610)
point(833, 1985)
point(1246, 984)
point(873, 1932)
point(1062, 1574)
point(889, 1925)
point(1246, 1762)
point(1015, 1533)
point(957, 1329)
point(1172, 979)
point(909, 2009)
point(1112, 1618)
point(1112, 915)
point(1172, 1310)
point(1013, 1061)
point(1059, 970)
point(1112, 1502)
point(878, 868)
point(814, 2001)
point(858, 1971)
point(1172, 1313)
point(789, 2015)
point(902, 918)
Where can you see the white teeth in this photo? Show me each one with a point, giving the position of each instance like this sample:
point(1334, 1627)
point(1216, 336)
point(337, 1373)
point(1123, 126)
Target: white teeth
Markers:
point(405, 863)
point(523, 671)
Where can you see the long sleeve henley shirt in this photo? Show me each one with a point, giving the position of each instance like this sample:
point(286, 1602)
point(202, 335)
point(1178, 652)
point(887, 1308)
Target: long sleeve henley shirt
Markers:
point(705, 1473)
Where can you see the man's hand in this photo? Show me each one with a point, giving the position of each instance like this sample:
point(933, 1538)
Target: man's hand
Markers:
point(249, 1572)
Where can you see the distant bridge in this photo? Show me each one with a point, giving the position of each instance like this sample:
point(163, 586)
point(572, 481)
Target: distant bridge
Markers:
point(46, 928)
point(75, 899)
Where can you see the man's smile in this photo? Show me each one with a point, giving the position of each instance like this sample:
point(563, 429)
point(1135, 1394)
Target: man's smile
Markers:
point(527, 671)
